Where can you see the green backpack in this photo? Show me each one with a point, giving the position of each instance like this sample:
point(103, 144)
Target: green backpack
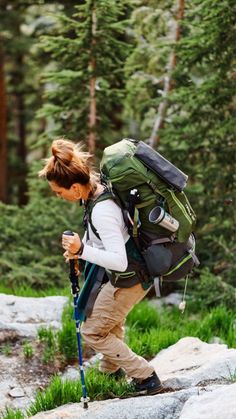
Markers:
point(140, 179)
point(132, 165)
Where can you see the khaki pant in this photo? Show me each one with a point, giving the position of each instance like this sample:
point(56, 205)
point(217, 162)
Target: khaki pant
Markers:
point(104, 330)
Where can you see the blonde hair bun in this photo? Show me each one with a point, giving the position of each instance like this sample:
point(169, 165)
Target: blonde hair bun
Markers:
point(69, 164)
point(63, 150)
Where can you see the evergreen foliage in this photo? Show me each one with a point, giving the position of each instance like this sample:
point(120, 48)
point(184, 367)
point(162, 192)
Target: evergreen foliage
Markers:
point(199, 131)
point(30, 245)
point(198, 134)
point(146, 64)
point(202, 125)
point(21, 23)
point(80, 54)
point(128, 61)
point(212, 291)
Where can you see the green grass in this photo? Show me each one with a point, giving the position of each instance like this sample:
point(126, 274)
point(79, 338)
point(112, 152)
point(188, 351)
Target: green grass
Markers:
point(28, 351)
point(13, 414)
point(219, 322)
point(144, 316)
point(150, 331)
point(48, 339)
point(7, 349)
point(26, 291)
point(66, 337)
point(99, 387)
point(62, 342)
point(149, 343)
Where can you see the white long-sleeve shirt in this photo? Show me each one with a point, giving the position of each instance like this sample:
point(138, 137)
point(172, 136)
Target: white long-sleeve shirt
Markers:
point(109, 252)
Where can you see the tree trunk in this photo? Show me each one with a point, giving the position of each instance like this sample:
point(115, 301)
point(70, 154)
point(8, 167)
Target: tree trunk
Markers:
point(22, 196)
point(21, 132)
point(3, 132)
point(168, 82)
point(92, 90)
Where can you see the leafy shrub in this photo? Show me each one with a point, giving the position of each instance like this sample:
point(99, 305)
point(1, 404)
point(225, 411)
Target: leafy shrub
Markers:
point(31, 252)
point(210, 291)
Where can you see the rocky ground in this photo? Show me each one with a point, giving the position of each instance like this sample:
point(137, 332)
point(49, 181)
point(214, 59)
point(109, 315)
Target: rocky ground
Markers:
point(194, 403)
point(199, 378)
point(20, 318)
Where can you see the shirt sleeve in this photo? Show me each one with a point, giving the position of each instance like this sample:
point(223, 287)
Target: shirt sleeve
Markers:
point(84, 239)
point(107, 220)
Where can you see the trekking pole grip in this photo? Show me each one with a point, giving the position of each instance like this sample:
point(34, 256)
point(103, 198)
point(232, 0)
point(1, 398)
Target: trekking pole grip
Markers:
point(75, 292)
point(73, 275)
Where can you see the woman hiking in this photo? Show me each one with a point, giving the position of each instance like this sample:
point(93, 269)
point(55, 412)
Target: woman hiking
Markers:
point(71, 177)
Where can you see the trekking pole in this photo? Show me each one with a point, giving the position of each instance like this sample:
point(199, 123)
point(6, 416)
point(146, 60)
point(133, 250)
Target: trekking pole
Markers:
point(75, 292)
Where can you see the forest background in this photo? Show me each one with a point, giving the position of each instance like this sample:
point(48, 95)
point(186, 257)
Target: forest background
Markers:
point(100, 70)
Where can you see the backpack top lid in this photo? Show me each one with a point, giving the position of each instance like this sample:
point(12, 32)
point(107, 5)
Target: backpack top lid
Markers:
point(163, 167)
point(124, 150)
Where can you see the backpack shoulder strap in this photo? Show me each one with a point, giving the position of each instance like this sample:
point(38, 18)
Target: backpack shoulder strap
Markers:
point(89, 208)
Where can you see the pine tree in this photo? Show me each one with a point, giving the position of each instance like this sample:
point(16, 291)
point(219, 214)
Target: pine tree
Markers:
point(200, 131)
point(15, 47)
point(3, 131)
point(86, 89)
point(168, 80)
point(20, 24)
point(152, 25)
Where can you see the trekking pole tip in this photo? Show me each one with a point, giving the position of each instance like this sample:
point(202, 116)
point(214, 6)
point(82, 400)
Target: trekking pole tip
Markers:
point(85, 401)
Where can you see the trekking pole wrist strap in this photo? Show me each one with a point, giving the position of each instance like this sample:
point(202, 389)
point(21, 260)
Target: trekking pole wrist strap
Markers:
point(80, 251)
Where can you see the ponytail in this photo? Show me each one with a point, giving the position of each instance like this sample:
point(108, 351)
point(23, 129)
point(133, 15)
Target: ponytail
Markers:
point(68, 164)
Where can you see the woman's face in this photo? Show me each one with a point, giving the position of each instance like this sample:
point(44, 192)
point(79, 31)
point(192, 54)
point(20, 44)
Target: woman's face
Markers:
point(73, 194)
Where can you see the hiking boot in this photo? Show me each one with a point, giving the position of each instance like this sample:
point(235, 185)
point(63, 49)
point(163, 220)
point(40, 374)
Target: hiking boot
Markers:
point(149, 386)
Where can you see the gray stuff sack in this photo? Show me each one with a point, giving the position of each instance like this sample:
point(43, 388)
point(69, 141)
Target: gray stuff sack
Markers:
point(172, 260)
point(158, 259)
point(163, 167)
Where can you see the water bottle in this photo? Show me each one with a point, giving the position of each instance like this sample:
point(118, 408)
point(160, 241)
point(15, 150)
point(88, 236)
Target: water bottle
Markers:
point(159, 216)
